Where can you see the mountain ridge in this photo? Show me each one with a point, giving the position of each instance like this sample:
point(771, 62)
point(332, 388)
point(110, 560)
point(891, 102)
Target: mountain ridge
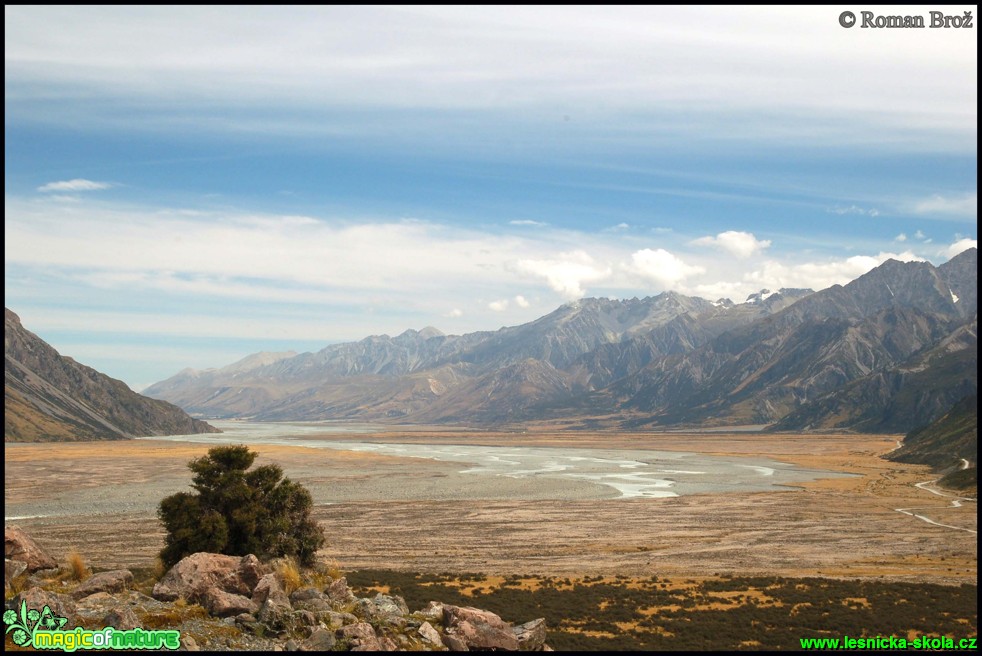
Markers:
point(791, 359)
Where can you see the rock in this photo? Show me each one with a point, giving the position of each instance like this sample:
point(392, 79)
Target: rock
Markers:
point(195, 574)
point(390, 604)
point(307, 594)
point(453, 643)
point(188, 643)
point(385, 643)
point(18, 545)
point(291, 645)
point(316, 606)
point(226, 604)
point(433, 612)
point(339, 593)
point(123, 619)
point(60, 605)
point(319, 640)
point(531, 636)
point(360, 636)
point(113, 581)
point(276, 611)
point(249, 571)
point(430, 634)
point(266, 585)
point(335, 620)
point(305, 618)
point(479, 629)
point(11, 570)
point(246, 618)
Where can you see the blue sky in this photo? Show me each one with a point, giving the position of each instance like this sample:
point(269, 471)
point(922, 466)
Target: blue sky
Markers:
point(185, 186)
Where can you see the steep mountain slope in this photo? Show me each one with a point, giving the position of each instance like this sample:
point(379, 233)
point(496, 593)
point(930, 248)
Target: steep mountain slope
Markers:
point(768, 370)
point(48, 397)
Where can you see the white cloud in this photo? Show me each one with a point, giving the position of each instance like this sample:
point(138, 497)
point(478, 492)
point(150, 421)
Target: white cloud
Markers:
point(820, 275)
point(964, 206)
point(498, 306)
point(920, 235)
point(526, 222)
point(902, 237)
point(455, 313)
point(855, 209)
point(527, 59)
point(661, 266)
point(739, 244)
point(78, 184)
point(567, 273)
point(961, 245)
point(521, 302)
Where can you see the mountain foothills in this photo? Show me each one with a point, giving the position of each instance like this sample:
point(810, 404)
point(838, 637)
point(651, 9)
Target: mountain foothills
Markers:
point(49, 397)
point(948, 444)
point(891, 351)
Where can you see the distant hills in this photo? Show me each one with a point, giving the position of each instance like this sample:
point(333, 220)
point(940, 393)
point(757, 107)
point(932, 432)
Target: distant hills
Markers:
point(49, 397)
point(891, 350)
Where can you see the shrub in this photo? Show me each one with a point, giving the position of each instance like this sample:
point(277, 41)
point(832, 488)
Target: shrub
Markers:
point(239, 512)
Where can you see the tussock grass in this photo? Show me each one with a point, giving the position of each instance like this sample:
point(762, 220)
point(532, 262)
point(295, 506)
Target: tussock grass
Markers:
point(77, 569)
point(289, 574)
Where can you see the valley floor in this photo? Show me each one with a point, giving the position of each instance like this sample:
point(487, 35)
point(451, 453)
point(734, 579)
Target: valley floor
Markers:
point(100, 497)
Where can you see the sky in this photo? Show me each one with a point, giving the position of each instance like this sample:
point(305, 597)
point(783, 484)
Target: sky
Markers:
point(184, 186)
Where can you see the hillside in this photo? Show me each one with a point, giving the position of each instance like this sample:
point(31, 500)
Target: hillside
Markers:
point(947, 444)
point(49, 397)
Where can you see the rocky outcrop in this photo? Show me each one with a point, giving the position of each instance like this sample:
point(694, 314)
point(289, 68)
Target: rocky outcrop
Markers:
point(18, 546)
point(229, 602)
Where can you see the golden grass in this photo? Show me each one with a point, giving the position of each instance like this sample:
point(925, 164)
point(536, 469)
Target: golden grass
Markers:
point(289, 574)
point(77, 569)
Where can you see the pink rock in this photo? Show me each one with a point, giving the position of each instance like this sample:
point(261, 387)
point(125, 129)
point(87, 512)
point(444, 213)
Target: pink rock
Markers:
point(18, 545)
point(195, 574)
point(116, 580)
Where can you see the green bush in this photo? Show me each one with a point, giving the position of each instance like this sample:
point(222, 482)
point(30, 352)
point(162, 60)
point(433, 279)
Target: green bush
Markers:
point(239, 512)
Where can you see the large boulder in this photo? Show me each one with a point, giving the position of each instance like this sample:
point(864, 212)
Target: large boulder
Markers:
point(194, 575)
point(478, 629)
point(116, 580)
point(18, 545)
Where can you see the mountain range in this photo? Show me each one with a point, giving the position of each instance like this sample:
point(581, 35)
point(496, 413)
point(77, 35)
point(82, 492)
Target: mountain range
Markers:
point(50, 397)
point(890, 351)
